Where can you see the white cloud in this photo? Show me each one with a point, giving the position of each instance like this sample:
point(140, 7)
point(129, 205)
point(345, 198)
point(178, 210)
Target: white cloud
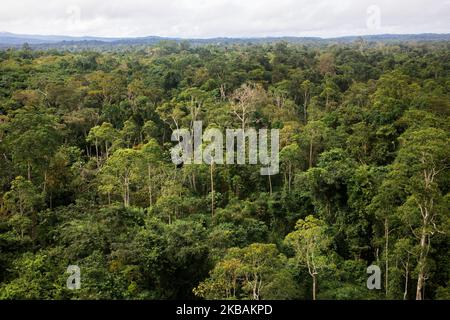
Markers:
point(232, 18)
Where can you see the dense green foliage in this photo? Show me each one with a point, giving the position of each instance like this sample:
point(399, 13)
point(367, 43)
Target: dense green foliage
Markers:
point(86, 177)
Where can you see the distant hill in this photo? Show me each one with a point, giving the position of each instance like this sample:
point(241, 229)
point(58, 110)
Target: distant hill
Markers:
point(12, 38)
point(54, 41)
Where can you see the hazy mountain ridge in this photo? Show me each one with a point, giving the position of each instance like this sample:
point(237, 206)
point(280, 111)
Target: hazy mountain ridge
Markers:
point(14, 40)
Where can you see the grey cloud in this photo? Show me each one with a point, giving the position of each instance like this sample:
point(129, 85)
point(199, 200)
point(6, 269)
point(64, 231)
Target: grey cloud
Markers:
point(189, 18)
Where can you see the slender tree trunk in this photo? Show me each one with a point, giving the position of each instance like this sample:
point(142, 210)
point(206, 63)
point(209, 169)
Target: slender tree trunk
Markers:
point(310, 153)
point(255, 288)
point(126, 199)
point(314, 286)
point(128, 195)
point(270, 184)
point(212, 187)
point(405, 293)
point(421, 276)
point(223, 95)
point(44, 189)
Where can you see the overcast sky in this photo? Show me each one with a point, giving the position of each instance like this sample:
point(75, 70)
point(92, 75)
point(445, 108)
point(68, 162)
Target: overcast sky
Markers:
point(231, 18)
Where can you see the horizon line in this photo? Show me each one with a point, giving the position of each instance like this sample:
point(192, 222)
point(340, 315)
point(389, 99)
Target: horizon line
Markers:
point(222, 37)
